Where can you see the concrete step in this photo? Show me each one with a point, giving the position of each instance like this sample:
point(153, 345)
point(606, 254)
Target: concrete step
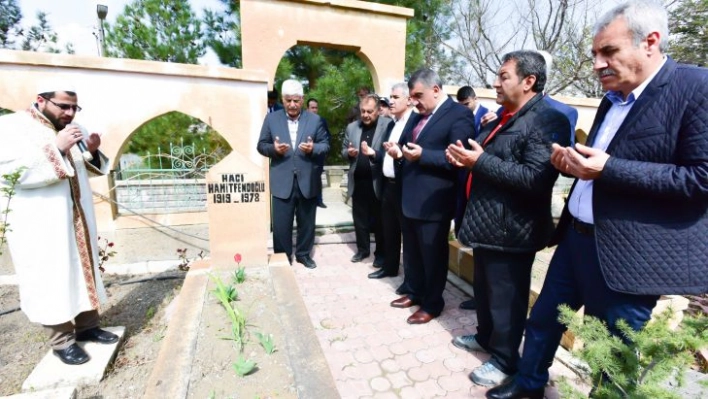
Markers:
point(59, 393)
point(51, 373)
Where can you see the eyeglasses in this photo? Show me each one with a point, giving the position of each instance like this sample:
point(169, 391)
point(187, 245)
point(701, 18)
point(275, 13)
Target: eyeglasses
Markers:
point(65, 107)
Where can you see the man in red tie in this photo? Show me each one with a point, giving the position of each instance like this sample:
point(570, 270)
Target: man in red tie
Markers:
point(508, 215)
point(429, 185)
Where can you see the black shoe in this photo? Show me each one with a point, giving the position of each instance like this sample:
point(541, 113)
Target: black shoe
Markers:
point(359, 256)
point(469, 304)
point(306, 261)
point(403, 291)
point(72, 355)
point(378, 262)
point(97, 335)
point(510, 390)
point(322, 205)
point(381, 273)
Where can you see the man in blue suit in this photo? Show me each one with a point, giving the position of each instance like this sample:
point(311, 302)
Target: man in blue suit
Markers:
point(293, 139)
point(569, 112)
point(635, 223)
point(429, 185)
point(467, 97)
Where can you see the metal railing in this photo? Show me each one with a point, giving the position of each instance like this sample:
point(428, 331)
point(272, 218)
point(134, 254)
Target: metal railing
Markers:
point(164, 183)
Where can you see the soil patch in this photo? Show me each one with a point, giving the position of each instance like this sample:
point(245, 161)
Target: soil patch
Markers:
point(143, 304)
point(213, 374)
point(136, 302)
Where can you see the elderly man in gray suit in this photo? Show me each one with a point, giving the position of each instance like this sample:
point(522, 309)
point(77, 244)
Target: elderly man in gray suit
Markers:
point(293, 139)
point(364, 137)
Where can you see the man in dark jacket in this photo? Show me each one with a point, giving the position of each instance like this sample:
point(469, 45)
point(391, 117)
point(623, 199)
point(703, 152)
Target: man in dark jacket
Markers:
point(363, 138)
point(508, 217)
point(636, 220)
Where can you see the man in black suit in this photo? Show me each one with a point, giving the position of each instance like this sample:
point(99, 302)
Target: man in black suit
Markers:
point(636, 219)
point(293, 139)
point(273, 104)
point(391, 216)
point(364, 178)
point(429, 183)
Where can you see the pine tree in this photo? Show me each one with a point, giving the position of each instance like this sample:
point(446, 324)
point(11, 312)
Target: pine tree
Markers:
point(10, 17)
point(635, 365)
point(156, 30)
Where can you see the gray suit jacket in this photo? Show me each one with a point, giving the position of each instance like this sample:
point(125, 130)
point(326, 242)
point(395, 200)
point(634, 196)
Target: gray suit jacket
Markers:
point(294, 162)
point(353, 135)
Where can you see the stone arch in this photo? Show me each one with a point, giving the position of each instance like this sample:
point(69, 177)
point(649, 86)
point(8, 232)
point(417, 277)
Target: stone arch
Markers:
point(270, 27)
point(128, 138)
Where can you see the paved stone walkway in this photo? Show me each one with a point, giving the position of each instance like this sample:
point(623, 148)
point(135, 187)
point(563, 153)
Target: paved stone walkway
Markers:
point(371, 350)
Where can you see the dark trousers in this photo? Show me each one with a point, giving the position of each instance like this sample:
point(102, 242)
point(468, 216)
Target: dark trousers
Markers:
point(391, 218)
point(425, 253)
point(366, 212)
point(501, 288)
point(62, 336)
point(304, 211)
point(574, 278)
point(320, 170)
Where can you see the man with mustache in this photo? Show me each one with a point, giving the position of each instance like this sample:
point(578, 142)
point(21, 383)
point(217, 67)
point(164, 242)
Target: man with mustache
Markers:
point(508, 215)
point(363, 138)
point(293, 139)
point(635, 223)
point(52, 227)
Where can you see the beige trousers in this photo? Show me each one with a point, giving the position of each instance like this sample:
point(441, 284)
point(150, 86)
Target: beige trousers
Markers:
point(62, 336)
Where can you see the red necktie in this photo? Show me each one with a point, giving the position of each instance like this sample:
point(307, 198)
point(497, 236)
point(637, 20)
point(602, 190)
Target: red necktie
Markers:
point(419, 127)
point(505, 116)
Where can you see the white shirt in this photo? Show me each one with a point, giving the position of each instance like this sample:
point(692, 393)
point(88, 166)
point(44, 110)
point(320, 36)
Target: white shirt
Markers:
point(580, 201)
point(292, 128)
point(388, 169)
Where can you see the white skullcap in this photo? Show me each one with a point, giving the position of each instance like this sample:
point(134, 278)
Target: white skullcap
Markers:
point(291, 88)
point(55, 84)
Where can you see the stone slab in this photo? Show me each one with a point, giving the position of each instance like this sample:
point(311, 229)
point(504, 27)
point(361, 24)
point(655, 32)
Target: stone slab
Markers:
point(58, 393)
point(52, 373)
point(310, 368)
point(170, 375)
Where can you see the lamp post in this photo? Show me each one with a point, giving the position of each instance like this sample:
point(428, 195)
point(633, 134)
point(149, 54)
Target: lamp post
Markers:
point(101, 11)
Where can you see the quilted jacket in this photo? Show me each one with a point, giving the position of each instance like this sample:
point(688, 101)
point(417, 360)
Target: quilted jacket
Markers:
point(512, 182)
point(650, 204)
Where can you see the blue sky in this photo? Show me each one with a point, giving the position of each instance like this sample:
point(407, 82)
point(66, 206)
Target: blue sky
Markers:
point(75, 20)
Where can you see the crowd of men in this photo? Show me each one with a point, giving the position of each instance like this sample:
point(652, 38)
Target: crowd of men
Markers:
point(418, 159)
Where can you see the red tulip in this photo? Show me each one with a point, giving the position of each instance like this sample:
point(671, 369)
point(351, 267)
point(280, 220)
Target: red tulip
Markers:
point(237, 258)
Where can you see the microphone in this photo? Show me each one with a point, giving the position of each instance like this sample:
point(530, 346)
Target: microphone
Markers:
point(84, 151)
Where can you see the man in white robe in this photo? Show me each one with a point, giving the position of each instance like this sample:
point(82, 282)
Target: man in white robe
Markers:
point(51, 233)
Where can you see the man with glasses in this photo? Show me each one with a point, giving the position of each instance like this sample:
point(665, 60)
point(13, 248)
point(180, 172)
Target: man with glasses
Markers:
point(52, 228)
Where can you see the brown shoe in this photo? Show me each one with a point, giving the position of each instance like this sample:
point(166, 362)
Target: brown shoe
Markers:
point(403, 303)
point(420, 317)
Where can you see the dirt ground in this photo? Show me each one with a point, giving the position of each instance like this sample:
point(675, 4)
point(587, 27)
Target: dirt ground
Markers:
point(143, 305)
